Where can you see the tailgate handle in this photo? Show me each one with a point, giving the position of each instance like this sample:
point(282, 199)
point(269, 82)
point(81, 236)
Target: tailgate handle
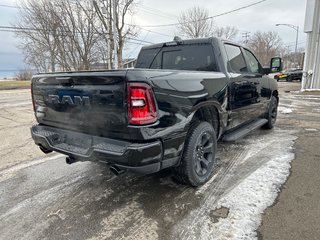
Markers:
point(65, 81)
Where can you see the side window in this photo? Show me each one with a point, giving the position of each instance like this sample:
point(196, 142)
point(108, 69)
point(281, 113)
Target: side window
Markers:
point(252, 61)
point(236, 59)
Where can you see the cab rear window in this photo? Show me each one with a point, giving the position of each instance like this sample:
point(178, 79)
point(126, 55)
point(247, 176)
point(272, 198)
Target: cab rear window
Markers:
point(197, 57)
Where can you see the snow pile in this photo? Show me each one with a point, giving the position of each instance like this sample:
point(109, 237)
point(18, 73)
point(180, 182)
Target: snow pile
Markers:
point(249, 200)
point(247, 197)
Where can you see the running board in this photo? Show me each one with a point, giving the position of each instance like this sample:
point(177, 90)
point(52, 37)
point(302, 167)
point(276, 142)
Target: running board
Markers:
point(244, 130)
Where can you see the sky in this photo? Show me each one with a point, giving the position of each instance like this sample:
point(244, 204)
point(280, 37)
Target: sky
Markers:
point(263, 17)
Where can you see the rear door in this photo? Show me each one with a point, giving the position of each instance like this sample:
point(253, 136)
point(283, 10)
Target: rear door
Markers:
point(244, 88)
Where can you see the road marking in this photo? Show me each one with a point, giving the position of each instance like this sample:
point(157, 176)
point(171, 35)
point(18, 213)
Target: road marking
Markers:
point(9, 172)
point(15, 91)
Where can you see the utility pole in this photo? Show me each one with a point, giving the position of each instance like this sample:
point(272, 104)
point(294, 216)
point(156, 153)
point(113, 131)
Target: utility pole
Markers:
point(101, 17)
point(106, 12)
point(288, 48)
point(115, 35)
point(245, 36)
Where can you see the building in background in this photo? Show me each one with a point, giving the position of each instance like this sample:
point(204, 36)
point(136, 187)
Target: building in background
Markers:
point(311, 76)
point(129, 63)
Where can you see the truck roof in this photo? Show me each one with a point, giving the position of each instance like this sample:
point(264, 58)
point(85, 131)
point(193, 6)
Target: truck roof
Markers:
point(188, 41)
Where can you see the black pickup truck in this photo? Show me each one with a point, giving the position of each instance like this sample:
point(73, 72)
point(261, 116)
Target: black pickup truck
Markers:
point(169, 111)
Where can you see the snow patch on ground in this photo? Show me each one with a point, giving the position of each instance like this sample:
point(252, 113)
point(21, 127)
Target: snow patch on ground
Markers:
point(284, 110)
point(248, 198)
point(311, 130)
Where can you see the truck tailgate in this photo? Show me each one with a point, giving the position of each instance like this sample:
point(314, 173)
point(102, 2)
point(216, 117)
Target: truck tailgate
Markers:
point(89, 102)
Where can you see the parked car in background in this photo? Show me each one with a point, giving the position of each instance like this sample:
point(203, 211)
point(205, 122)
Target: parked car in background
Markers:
point(280, 75)
point(289, 74)
point(295, 74)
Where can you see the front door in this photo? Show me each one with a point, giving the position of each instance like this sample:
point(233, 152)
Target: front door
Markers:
point(245, 100)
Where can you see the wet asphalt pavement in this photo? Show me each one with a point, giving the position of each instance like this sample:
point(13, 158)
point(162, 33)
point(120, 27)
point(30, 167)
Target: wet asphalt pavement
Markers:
point(44, 198)
point(52, 200)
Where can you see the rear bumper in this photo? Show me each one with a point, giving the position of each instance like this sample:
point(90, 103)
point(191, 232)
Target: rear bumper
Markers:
point(137, 157)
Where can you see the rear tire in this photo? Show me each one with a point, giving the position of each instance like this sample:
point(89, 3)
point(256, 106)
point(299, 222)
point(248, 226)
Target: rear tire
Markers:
point(272, 113)
point(198, 159)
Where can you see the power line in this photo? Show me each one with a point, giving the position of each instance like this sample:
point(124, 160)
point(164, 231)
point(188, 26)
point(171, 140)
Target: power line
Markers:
point(155, 13)
point(21, 29)
point(164, 25)
point(139, 40)
point(158, 11)
point(4, 30)
point(135, 49)
point(211, 17)
point(136, 43)
point(291, 45)
point(9, 6)
point(162, 34)
point(17, 7)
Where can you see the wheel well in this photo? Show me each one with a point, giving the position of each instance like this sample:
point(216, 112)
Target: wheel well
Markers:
point(208, 114)
point(276, 94)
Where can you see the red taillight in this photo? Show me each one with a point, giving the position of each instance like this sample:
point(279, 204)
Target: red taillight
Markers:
point(141, 105)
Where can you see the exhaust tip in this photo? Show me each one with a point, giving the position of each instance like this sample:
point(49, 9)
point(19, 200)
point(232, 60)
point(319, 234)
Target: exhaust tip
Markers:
point(45, 150)
point(70, 160)
point(116, 171)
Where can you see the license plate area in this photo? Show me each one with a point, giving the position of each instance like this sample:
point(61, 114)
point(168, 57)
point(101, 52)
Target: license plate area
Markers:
point(78, 142)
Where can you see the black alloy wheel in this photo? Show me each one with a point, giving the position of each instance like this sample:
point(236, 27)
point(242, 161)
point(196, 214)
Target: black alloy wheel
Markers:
point(272, 113)
point(198, 159)
point(203, 154)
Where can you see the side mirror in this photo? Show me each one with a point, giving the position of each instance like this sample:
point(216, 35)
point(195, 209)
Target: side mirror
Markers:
point(275, 64)
point(266, 70)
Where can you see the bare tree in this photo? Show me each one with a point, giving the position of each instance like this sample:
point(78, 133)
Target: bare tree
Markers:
point(38, 33)
point(78, 40)
point(289, 59)
point(24, 74)
point(265, 45)
point(227, 32)
point(58, 33)
point(70, 35)
point(195, 23)
point(37, 55)
point(123, 30)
